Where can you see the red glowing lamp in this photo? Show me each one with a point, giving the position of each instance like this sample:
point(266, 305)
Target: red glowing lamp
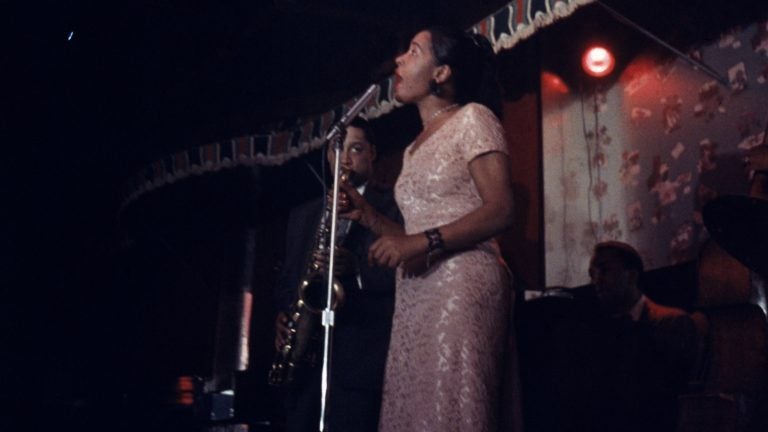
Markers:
point(598, 61)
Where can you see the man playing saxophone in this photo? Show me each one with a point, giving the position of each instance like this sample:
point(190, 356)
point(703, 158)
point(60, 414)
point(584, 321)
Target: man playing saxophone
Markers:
point(362, 326)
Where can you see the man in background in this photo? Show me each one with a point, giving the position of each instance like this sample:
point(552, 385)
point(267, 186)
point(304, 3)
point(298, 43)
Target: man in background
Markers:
point(646, 351)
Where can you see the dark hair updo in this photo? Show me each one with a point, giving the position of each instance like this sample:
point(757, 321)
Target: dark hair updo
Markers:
point(473, 66)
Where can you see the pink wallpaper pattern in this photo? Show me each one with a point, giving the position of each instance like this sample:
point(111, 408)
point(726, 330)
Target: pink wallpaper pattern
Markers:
point(637, 161)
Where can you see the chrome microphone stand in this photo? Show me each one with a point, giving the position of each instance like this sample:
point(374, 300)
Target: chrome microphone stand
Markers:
point(328, 316)
point(335, 137)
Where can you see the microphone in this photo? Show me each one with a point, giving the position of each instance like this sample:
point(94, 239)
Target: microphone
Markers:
point(346, 119)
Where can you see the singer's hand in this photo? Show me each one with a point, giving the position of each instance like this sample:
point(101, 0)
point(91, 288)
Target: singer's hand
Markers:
point(358, 209)
point(390, 251)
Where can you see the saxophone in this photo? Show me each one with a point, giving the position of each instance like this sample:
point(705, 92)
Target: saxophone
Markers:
point(304, 341)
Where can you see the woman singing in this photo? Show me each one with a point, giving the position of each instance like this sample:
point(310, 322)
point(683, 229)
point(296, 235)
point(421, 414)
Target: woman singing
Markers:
point(453, 292)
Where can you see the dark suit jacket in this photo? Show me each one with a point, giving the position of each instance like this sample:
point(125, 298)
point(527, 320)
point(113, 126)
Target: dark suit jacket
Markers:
point(363, 322)
point(583, 371)
point(646, 365)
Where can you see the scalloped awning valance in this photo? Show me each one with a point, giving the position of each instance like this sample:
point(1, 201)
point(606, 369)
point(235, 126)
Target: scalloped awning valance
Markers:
point(517, 20)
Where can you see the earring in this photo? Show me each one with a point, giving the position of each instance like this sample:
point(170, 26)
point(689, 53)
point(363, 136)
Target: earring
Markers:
point(434, 87)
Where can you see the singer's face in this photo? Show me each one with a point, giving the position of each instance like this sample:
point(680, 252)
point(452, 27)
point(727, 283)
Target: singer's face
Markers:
point(356, 156)
point(415, 69)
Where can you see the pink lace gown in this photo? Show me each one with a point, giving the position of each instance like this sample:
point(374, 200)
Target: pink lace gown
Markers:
point(448, 332)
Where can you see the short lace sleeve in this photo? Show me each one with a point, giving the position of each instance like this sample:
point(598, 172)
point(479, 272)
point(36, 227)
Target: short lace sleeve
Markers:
point(480, 132)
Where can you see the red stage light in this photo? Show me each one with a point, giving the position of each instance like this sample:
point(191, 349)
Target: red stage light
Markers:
point(598, 61)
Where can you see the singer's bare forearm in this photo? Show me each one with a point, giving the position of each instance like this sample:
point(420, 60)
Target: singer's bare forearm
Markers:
point(490, 172)
point(366, 215)
point(381, 225)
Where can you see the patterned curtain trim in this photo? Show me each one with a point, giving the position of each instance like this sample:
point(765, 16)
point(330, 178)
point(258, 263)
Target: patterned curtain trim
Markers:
point(516, 21)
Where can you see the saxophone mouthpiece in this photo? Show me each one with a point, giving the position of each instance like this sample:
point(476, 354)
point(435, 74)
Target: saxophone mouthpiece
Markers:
point(351, 178)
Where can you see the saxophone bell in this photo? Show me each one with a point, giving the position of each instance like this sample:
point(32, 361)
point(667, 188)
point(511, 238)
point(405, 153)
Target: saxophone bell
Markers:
point(303, 342)
point(312, 292)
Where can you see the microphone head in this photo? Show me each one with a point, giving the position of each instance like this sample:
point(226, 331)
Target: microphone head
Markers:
point(346, 119)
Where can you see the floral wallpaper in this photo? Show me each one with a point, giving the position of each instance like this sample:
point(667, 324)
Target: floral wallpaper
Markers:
point(636, 161)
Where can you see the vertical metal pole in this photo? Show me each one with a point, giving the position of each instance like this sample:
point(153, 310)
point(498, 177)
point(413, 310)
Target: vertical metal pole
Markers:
point(328, 313)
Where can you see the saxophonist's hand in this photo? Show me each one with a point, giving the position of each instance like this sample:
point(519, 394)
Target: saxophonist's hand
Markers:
point(343, 202)
point(282, 332)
